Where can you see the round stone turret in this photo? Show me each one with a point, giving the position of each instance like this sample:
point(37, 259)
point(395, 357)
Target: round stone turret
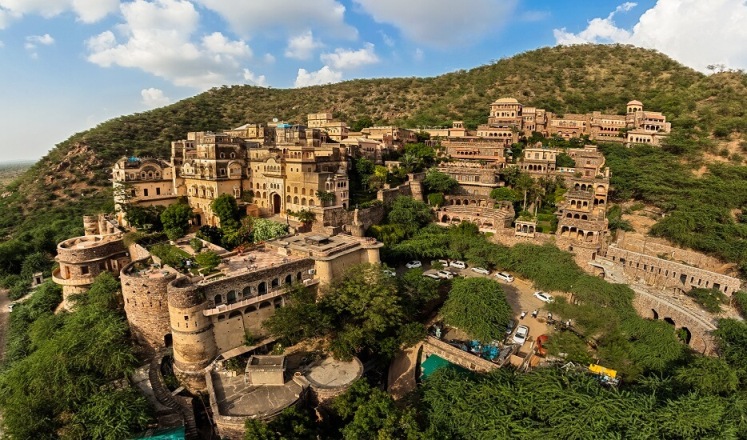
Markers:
point(192, 333)
point(144, 289)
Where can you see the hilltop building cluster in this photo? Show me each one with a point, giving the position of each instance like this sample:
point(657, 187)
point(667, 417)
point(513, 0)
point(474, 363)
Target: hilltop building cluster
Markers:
point(275, 168)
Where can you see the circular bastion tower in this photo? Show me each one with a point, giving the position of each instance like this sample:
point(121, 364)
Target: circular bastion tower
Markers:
point(192, 333)
point(144, 290)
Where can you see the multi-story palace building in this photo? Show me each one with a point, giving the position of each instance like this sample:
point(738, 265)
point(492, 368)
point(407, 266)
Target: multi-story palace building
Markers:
point(276, 167)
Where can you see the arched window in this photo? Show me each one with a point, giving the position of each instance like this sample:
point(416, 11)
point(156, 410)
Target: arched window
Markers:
point(247, 292)
point(231, 297)
point(275, 283)
point(262, 288)
point(288, 279)
point(218, 299)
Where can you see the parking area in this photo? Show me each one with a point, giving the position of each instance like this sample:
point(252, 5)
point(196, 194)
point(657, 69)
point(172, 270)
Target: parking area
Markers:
point(519, 294)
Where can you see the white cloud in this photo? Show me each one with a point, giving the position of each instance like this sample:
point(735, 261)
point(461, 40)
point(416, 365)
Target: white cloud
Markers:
point(253, 79)
point(389, 41)
point(419, 55)
point(45, 40)
point(253, 17)
point(344, 59)
point(442, 23)
point(693, 32)
point(269, 58)
point(302, 46)
point(32, 41)
point(157, 38)
point(325, 75)
point(87, 11)
point(153, 98)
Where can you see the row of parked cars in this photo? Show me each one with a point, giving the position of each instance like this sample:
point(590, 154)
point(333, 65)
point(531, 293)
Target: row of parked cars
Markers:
point(457, 264)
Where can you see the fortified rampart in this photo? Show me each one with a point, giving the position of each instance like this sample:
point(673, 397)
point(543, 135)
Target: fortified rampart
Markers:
point(146, 302)
point(667, 274)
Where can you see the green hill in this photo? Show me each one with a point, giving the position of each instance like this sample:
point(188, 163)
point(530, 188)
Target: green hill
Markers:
point(74, 177)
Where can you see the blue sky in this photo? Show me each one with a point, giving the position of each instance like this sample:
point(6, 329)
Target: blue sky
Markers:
point(67, 65)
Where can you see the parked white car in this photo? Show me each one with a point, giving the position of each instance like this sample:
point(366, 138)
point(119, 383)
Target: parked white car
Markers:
point(481, 270)
point(413, 264)
point(458, 264)
point(445, 274)
point(505, 277)
point(542, 296)
point(433, 275)
point(390, 272)
point(521, 334)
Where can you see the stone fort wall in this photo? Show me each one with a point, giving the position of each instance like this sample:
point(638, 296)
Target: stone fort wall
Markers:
point(670, 274)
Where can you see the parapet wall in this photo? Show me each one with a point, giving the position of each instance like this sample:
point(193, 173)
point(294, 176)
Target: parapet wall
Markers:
point(89, 248)
point(456, 356)
point(342, 218)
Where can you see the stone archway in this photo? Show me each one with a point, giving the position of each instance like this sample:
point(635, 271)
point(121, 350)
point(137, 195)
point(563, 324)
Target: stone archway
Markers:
point(685, 335)
point(670, 321)
point(654, 314)
point(276, 203)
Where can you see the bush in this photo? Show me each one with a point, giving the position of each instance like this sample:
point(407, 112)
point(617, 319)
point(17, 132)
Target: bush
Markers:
point(709, 299)
point(740, 302)
point(196, 244)
point(170, 255)
point(208, 261)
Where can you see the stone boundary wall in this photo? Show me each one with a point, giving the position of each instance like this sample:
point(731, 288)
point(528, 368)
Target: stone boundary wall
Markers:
point(456, 356)
point(653, 248)
point(387, 195)
point(506, 237)
point(138, 252)
point(342, 218)
point(665, 273)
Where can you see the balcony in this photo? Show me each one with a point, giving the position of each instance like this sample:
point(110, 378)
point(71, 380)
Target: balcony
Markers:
point(83, 281)
point(272, 294)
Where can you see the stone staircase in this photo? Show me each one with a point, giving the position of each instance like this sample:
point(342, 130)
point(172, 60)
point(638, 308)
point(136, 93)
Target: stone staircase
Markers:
point(179, 404)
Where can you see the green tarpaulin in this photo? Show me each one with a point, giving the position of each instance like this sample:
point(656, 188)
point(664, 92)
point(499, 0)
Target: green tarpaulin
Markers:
point(162, 434)
point(434, 363)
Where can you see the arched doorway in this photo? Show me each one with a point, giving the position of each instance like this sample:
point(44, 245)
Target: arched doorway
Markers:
point(276, 201)
point(669, 320)
point(167, 340)
point(655, 314)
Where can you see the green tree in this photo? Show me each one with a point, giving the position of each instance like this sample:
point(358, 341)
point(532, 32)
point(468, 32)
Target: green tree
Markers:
point(176, 219)
point(410, 214)
point(708, 375)
point(265, 229)
point(477, 306)
point(305, 216)
point(370, 413)
point(227, 210)
point(325, 197)
point(208, 261)
point(504, 193)
point(563, 160)
point(366, 308)
point(436, 199)
point(300, 319)
point(524, 184)
point(438, 182)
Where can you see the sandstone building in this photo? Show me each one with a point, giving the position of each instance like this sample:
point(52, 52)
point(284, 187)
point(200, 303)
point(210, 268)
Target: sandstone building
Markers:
point(204, 317)
point(82, 259)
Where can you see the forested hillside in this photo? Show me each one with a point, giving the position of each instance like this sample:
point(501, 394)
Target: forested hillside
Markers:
point(47, 201)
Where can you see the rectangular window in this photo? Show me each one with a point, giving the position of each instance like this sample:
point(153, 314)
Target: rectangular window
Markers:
point(145, 192)
point(84, 270)
point(158, 191)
